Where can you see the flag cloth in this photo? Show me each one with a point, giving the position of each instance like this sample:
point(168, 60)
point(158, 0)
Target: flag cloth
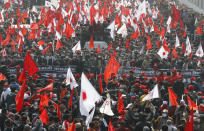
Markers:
point(191, 104)
point(120, 103)
point(106, 107)
point(100, 83)
point(62, 94)
point(199, 30)
point(112, 67)
point(69, 30)
point(110, 126)
point(2, 77)
point(174, 53)
point(135, 35)
point(72, 127)
point(172, 97)
point(58, 45)
point(188, 48)
point(177, 44)
point(77, 47)
point(189, 123)
point(88, 96)
point(128, 44)
point(20, 97)
point(91, 43)
point(71, 99)
point(44, 116)
point(163, 53)
point(70, 80)
point(47, 88)
point(154, 93)
point(199, 52)
point(58, 110)
point(123, 31)
point(44, 99)
point(149, 45)
point(111, 27)
point(98, 50)
point(176, 13)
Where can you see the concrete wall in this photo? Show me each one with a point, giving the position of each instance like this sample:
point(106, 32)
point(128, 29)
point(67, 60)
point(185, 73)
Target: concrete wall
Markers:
point(196, 5)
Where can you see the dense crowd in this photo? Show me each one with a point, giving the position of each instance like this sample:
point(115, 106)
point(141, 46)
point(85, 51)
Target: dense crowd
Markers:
point(51, 104)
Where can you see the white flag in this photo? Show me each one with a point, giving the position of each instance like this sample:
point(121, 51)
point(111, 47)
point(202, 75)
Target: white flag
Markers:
point(188, 47)
point(70, 80)
point(112, 29)
point(123, 30)
point(169, 21)
point(152, 28)
point(199, 52)
point(89, 118)
point(88, 96)
point(77, 47)
point(163, 53)
point(154, 93)
point(177, 44)
point(58, 35)
point(106, 107)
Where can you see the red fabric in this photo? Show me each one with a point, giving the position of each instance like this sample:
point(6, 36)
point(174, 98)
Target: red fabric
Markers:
point(199, 30)
point(172, 98)
point(162, 33)
point(24, 30)
point(2, 77)
point(110, 126)
point(44, 116)
point(109, 47)
point(189, 123)
point(117, 20)
point(43, 101)
point(19, 97)
point(174, 53)
point(191, 104)
point(112, 67)
point(149, 45)
point(135, 34)
point(46, 49)
point(158, 45)
point(47, 88)
point(100, 83)
point(34, 26)
point(166, 47)
point(69, 30)
point(72, 127)
point(120, 103)
point(29, 65)
point(58, 111)
point(91, 43)
point(98, 50)
point(41, 43)
point(176, 13)
point(63, 92)
point(128, 44)
point(58, 45)
point(71, 99)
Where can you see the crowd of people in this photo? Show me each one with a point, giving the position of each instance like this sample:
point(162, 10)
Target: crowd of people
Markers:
point(148, 41)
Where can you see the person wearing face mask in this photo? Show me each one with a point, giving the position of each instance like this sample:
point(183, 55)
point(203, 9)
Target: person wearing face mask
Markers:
point(181, 112)
point(162, 120)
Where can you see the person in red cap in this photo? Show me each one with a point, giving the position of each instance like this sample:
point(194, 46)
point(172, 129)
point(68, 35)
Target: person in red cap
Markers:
point(194, 84)
point(160, 77)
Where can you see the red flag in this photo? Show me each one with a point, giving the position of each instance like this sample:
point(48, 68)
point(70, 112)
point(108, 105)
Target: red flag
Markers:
point(63, 92)
point(46, 49)
point(172, 98)
point(100, 82)
point(149, 45)
point(19, 97)
point(58, 45)
point(98, 50)
point(72, 127)
point(183, 47)
point(191, 104)
point(109, 47)
point(110, 126)
point(117, 20)
point(120, 103)
point(158, 45)
point(199, 30)
point(34, 26)
point(47, 88)
point(41, 43)
point(112, 67)
point(0, 37)
point(174, 53)
point(166, 47)
point(2, 77)
point(162, 33)
point(128, 44)
point(135, 34)
point(91, 43)
point(18, 12)
point(6, 41)
point(189, 123)
point(24, 30)
point(176, 13)
point(7, 5)
point(71, 98)
point(69, 30)
point(44, 116)
point(44, 99)
point(58, 111)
